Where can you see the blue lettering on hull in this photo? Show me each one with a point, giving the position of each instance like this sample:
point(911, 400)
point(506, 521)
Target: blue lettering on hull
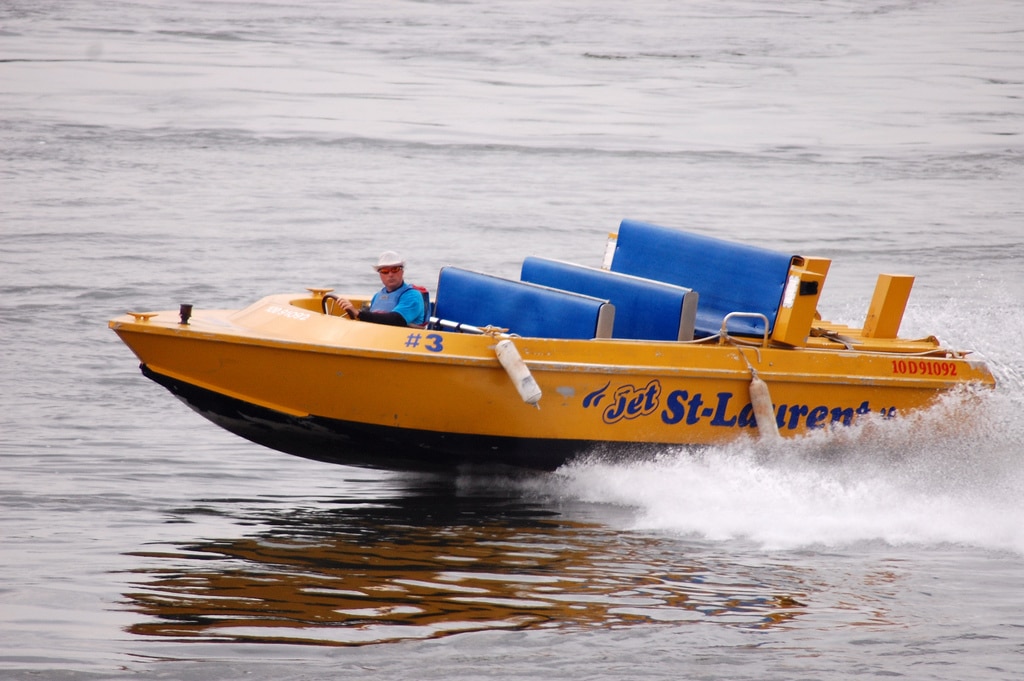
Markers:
point(723, 410)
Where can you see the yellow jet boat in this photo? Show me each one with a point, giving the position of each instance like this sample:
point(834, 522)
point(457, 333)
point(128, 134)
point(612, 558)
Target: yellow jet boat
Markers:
point(677, 339)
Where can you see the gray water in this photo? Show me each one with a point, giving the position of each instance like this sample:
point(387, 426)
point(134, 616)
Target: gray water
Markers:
point(214, 152)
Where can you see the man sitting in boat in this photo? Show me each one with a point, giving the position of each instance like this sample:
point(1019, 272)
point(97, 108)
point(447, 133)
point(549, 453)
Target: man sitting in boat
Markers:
point(397, 303)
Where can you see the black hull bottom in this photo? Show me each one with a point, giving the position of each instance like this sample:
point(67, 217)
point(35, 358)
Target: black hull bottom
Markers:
point(358, 444)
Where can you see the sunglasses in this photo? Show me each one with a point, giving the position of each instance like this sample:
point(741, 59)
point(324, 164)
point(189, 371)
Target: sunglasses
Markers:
point(389, 270)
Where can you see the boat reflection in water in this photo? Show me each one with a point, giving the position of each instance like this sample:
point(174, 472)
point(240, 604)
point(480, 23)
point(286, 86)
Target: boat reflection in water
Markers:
point(425, 567)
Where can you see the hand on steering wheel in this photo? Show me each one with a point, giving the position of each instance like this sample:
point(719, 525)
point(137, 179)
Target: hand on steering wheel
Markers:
point(346, 306)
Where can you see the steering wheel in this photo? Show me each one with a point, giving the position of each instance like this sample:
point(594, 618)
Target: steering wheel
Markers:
point(329, 307)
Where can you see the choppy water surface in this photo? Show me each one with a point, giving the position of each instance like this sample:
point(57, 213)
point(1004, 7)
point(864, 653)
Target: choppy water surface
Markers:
point(215, 152)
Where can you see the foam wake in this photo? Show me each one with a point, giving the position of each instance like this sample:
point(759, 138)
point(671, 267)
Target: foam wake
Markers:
point(952, 474)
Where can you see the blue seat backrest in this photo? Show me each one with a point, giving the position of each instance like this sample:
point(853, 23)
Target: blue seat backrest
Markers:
point(644, 309)
point(478, 299)
point(729, 276)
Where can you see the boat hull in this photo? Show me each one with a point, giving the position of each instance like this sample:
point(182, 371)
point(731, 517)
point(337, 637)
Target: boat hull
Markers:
point(281, 374)
point(351, 443)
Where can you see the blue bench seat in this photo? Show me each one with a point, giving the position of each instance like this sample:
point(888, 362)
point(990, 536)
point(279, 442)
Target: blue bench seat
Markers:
point(729, 276)
point(525, 309)
point(644, 309)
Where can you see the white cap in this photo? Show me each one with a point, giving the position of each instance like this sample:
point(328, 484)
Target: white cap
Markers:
point(389, 259)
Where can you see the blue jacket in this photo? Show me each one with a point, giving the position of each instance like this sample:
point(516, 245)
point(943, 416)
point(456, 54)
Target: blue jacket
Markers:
point(409, 306)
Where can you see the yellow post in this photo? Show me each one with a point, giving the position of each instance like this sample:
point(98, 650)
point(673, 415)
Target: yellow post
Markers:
point(887, 305)
point(800, 300)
